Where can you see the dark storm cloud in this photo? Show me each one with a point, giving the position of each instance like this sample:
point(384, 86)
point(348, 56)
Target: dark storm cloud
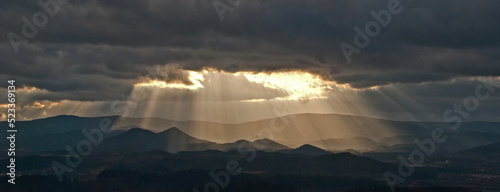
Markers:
point(96, 50)
point(374, 78)
point(428, 101)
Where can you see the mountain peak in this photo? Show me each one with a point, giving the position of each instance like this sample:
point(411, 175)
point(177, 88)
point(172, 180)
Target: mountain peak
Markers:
point(174, 134)
point(307, 150)
point(269, 145)
point(173, 131)
point(242, 140)
point(308, 147)
point(264, 140)
point(137, 130)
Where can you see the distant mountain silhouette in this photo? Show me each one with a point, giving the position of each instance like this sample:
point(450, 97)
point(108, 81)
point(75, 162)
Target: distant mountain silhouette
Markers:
point(268, 145)
point(354, 143)
point(133, 140)
point(360, 133)
point(486, 151)
point(58, 124)
point(456, 141)
point(300, 129)
point(262, 145)
point(174, 140)
point(150, 156)
point(306, 150)
point(175, 135)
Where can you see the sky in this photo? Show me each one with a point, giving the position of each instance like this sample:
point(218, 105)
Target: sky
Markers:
point(92, 58)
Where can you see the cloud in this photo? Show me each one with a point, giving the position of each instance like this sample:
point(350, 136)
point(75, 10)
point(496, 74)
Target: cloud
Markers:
point(97, 50)
point(257, 36)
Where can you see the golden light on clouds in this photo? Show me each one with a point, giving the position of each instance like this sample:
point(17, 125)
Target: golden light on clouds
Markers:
point(300, 85)
point(28, 89)
point(44, 104)
point(195, 77)
point(233, 97)
point(211, 95)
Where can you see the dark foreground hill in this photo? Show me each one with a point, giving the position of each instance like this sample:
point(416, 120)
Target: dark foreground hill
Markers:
point(257, 171)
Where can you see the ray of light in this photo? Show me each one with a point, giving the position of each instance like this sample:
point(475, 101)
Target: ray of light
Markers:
point(219, 99)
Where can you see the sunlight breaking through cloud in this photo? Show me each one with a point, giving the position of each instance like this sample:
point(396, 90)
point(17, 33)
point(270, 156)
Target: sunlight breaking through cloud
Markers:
point(298, 84)
point(195, 77)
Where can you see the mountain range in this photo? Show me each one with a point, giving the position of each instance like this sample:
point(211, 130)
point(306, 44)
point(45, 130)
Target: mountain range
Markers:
point(359, 134)
point(169, 158)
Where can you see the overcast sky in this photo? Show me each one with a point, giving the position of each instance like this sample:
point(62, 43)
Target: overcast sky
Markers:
point(427, 58)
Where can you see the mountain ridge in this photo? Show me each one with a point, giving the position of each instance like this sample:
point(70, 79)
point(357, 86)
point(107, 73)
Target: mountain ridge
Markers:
point(302, 129)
